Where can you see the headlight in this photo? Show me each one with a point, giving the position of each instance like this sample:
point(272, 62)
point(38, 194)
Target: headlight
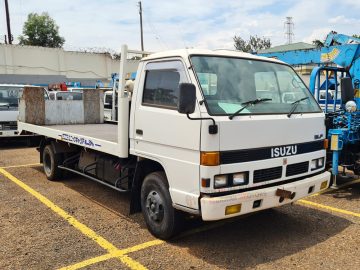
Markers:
point(240, 178)
point(220, 181)
point(317, 163)
point(230, 180)
point(321, 162)
point(313, 165)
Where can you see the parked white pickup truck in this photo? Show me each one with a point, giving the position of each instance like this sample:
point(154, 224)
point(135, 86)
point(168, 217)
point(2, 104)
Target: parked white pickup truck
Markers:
point(207, 133)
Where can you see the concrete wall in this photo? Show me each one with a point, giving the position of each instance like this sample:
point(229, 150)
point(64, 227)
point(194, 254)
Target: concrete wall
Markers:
point(29, 60)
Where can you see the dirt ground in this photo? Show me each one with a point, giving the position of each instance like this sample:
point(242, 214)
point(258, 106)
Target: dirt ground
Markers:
point(35, 234)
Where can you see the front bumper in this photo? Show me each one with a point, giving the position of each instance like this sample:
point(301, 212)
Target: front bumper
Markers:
point(213, 208)
point(8, 133)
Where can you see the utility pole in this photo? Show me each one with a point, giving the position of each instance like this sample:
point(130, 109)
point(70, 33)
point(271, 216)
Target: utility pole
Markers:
point(141, 26)
point(289, 33)
point(9, 36)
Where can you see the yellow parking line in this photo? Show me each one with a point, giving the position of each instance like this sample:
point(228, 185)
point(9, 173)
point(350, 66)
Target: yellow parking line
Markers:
point(81, 227)
point(88, 262)
point(333, 209)
point(121, 254)
point(74, 222)
point(132, 264)
point(142, 246)
point(18, 166)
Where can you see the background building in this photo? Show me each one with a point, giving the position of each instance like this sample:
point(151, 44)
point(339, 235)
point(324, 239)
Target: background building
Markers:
point(42, 66)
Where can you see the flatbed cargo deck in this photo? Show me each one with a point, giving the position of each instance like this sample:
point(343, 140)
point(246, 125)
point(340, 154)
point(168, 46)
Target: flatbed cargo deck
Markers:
point(95, 136)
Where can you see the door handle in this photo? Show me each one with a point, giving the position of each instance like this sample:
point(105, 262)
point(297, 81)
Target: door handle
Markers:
point(139, 132)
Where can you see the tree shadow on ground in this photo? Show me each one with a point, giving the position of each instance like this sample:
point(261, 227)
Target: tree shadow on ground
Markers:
point(263, 237)
point(6, 144)
point(349, 192)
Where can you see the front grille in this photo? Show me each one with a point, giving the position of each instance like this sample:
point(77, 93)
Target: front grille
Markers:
point(8, 125)
point(247, 155)
point(297, 168)
point(267, 174)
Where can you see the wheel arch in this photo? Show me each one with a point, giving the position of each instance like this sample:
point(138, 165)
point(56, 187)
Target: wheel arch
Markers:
point(59, 147)
point(144, 166)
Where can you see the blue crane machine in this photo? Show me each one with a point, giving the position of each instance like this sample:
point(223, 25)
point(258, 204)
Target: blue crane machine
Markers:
point(334, 82)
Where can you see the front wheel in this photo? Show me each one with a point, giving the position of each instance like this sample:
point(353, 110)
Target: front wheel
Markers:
point(162, 220)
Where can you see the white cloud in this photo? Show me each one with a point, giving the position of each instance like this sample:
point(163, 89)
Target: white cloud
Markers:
point(186, 23)
point(319, 33)
point(342, 20)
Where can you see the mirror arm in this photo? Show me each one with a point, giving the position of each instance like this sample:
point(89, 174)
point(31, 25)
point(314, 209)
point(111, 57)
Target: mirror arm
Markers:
point(213, 129)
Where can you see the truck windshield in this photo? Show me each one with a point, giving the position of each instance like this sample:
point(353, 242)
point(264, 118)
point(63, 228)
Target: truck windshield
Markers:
point(229, 83)
point(9, 98)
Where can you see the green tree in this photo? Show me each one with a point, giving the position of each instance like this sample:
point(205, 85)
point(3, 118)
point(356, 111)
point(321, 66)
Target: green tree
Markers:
point(356, 36)
point(41, 30)
point(318, 43)
point(254, 43)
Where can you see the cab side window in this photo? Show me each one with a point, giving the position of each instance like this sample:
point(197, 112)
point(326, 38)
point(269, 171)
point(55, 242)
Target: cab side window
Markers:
point(161, 86)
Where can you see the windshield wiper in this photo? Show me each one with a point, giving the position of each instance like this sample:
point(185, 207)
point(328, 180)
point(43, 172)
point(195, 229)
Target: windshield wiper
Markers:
point(247, 104)
point(294, 105)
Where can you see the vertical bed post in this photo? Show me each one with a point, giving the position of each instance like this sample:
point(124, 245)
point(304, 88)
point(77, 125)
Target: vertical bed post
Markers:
point(123, 108)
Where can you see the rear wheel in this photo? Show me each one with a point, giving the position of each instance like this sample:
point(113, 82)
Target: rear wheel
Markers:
point(51, 161)
point(162, 220)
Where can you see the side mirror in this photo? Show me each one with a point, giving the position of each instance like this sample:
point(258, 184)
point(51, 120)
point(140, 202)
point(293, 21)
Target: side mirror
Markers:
point(187, 98)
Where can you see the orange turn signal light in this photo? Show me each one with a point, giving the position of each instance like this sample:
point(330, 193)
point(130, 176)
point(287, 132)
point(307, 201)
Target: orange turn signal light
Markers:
point(205, 182)
point(326, 144)
point(210, 158)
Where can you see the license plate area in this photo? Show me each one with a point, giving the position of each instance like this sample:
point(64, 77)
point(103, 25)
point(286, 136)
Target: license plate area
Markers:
point(285, 194)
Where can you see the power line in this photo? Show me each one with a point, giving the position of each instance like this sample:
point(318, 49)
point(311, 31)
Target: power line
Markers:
point(154, 31)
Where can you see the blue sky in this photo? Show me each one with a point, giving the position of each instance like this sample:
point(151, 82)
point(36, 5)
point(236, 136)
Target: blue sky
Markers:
point(186, 23)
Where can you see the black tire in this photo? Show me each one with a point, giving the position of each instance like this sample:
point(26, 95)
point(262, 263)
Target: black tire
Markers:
point(162, 220)
point(51, 161)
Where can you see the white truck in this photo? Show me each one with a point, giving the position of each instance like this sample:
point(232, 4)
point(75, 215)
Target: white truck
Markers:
point(108, 105)
point(206, 133)
point(9, 102)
